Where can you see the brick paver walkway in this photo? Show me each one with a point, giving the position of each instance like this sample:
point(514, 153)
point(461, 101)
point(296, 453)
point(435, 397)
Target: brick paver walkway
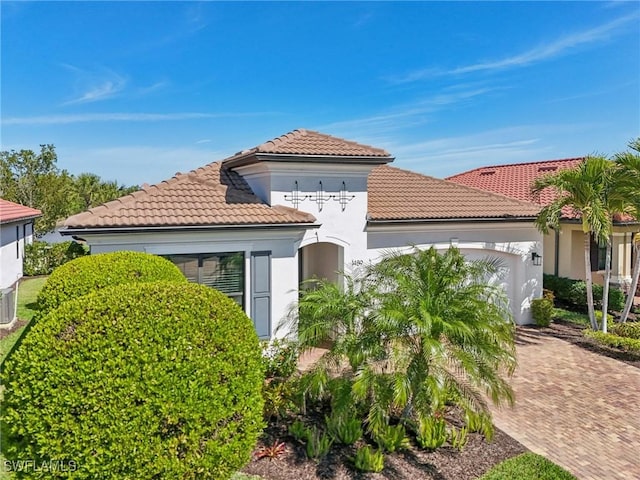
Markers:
point(579, 409)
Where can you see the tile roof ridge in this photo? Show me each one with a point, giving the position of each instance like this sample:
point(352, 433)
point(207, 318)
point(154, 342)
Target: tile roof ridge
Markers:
point(487, 167)
point(485, 193)
point(290, 210)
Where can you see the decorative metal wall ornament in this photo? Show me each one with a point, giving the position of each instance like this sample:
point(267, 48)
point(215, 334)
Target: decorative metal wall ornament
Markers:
point(296, 197)
point(343, 197)
point(320, 197)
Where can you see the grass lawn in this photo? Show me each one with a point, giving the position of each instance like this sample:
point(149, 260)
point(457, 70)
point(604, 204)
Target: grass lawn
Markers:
point(27, 293)
point(527, 466)
point(573, 317)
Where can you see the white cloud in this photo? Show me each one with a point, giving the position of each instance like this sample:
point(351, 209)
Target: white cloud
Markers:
point(118, 117)
point(406, 116)
point(556, 48)
point(445, 156)
point(95, 85)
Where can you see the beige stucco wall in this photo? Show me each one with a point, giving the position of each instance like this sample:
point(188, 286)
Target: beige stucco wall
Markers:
point(571, 253)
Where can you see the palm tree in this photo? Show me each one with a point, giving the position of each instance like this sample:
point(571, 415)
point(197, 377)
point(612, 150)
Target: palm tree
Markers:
point(583, 190)
point(408, 333)
point(629, 184)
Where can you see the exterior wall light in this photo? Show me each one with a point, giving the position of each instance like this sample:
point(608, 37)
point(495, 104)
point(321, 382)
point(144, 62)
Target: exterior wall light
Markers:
point(536, 259)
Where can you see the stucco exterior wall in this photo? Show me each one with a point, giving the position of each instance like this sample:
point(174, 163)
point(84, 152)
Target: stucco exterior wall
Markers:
point(512, 243)
point(12, 243)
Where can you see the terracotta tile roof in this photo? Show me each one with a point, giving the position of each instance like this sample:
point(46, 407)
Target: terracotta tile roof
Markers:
point(11, 212)
point(515, 180)
point(308, 142)
point(210, 195)
point(309, 146)
point(396, 194)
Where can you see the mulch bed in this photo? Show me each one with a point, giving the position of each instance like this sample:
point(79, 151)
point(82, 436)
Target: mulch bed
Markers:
point(5, 332)
point(445, 463)
point(572, 333)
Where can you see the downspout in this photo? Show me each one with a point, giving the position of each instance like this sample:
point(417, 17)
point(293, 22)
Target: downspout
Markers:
point(556, 257)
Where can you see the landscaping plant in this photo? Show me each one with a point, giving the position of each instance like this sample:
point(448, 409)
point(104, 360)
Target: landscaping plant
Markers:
point(391, 438)
point(369, 460)
point(144, 380)
point(318, 443)
point(273, 451)
point(412, 328)
point(346, 429)
point(431, 432)
point(93, 272)
point(299, 431)
point(542, 311)
point(458, 437)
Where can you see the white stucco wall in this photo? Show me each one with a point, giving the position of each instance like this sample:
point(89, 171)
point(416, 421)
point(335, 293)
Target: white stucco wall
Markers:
point(12, 244)
point(512, 243)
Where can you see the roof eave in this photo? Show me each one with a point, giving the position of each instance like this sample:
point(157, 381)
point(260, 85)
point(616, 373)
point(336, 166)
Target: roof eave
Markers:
point(20, 219)
point(403, 221)
point(71, 231)
point(249, 159)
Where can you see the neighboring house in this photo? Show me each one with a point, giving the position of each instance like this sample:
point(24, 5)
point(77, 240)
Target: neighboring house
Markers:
point(306, 205)
point(564, 249)
point(16, 231)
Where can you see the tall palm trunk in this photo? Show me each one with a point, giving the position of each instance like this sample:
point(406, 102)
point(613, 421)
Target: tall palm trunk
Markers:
point(589, 281)
point(607, 281)
point(634, 285)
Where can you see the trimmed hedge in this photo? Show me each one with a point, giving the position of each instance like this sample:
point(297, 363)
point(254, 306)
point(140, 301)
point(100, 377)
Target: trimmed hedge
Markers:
point(574, 293)
point(41, 258)
point(613, 340)
point(542, 311)
point(527, 466)
point(94, 272)
point(628, 329)
point(148, 380)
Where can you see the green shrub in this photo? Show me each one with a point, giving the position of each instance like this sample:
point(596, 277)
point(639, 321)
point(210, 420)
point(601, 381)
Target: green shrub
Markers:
point(432, 432)
point(280, 358)
point(542, 311)
point(41, 258)
point(86, 274)
point(149, 380)
point(612, 340)
point(345, 429)
point(527, 466)
point(548, 294)
point(369, 460)
point(391, 438)
point(627, 329)
point(574, 293)
point(279, 398)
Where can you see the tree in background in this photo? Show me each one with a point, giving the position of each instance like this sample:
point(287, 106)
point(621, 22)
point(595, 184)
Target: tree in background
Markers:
point(33, 179)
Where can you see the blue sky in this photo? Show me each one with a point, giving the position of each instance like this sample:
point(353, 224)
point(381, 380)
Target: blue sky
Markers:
point(138, 91)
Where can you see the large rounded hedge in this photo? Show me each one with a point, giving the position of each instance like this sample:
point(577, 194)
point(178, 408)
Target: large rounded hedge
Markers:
point(86, 274)
point(137, 381)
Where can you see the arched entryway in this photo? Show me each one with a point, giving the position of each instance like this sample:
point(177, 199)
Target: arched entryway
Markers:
point(321, 260)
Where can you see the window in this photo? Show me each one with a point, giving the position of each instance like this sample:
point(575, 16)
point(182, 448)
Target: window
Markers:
point(598, 255)
point(17, 241)
point(222, 271)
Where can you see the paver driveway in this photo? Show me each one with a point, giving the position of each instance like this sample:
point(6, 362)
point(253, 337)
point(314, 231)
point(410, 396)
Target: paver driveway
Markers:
point(577, 408)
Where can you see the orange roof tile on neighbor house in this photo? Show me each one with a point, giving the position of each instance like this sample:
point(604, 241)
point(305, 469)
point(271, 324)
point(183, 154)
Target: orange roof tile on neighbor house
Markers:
point(396, 194)
point(208, 196)
point(515, 180)
point(12, 212)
